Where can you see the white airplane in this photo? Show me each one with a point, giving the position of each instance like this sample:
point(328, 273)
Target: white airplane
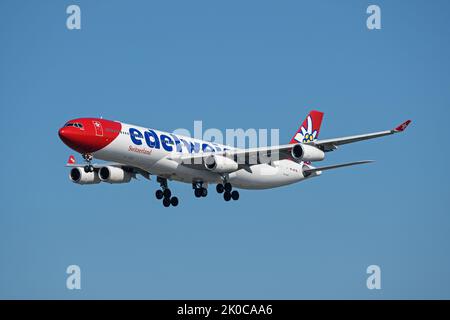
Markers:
point(133, 150)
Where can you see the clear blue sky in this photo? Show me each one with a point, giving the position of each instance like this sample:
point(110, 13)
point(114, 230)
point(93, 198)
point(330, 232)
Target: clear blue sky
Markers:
point(231, 64)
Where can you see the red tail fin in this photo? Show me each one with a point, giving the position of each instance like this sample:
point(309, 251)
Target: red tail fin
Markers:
point(71, 160)
point(309, 130)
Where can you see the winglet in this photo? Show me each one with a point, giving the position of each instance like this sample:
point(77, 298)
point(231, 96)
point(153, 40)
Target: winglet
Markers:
point(71, 160)
point(403, 126)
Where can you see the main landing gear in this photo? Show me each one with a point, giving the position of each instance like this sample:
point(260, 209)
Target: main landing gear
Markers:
point(199, 190)
point(227, 190)
point(88, 158)
point(165, 194)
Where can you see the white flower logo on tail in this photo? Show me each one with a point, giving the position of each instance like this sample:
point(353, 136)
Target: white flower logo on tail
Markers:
point(306, 135)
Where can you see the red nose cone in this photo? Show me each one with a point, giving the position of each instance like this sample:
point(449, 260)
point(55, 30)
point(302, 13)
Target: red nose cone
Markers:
point(73, 138)
point(62, 133)
point(88, 135)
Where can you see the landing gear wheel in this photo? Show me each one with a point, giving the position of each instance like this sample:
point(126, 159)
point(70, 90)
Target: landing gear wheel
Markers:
point(166, 202)
point(227, 196)
point(174, 201)
point(220, 188)
point(88, 158)
point(228, 187)
point(167, 193)
point(198, 193)
point(199, 190)
point(235, 195)
point(159, 194)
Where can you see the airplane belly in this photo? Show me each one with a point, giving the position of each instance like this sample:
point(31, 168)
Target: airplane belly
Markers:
point(265, 176)
point(176, 171)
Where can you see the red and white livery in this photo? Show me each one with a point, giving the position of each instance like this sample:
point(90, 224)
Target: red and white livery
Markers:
point(132, 150)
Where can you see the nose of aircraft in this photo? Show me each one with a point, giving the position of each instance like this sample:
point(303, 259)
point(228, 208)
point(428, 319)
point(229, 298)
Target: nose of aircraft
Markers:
point(67, 135)
point(62, 133)
point(88, 135)
point(73, 138)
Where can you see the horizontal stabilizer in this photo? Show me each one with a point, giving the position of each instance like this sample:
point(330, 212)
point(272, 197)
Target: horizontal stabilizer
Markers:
point(308, 171)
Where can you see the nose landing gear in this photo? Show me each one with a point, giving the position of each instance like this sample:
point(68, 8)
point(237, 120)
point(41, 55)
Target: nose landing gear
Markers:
point(165, 194)
point(88, 158)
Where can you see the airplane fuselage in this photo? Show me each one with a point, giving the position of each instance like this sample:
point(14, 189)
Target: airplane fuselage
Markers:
point(153, 150)
point(130, 150)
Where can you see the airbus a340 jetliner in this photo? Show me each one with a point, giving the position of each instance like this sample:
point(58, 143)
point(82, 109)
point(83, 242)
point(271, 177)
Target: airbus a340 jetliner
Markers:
point(133, 150)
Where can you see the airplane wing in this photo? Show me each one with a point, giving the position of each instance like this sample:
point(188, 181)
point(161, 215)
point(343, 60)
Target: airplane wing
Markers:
point(71, 164)
point(332, 144)
point(96, 165)
point(244, 157)
point(258, 155)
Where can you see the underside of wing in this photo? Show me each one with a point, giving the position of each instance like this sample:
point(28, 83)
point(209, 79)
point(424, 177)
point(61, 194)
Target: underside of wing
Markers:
point(96, 165)
point(241, 157)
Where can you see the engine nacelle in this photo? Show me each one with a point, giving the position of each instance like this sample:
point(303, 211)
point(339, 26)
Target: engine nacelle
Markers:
point(220, 164)
point(77, 175)
point(114, 175)
point(305, 152)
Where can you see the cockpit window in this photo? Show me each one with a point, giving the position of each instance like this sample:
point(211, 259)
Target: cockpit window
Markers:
point(70, 124)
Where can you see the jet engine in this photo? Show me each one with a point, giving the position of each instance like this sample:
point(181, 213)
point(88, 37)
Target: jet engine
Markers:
point(114, 175)
point(77, 175)
point(220, 164)
point(305, 152)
